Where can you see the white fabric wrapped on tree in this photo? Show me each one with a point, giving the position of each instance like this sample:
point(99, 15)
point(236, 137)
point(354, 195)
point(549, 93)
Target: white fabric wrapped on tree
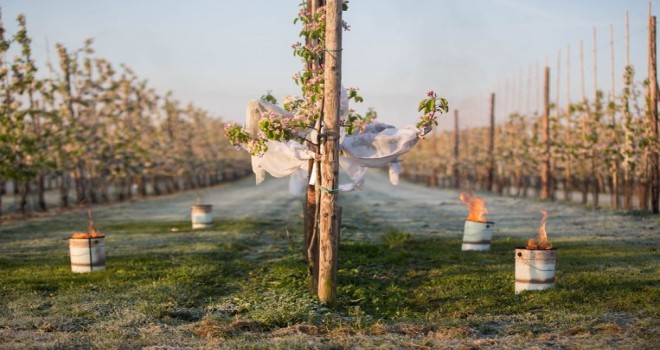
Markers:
point(376, 146)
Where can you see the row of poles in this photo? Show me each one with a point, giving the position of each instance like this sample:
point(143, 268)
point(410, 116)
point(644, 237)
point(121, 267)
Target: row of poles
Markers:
point(653, 162)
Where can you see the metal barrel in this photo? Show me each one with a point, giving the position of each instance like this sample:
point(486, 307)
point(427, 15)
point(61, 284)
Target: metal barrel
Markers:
point(535, 269)
point(87, 254)
point(477, 235)
point(201, 215)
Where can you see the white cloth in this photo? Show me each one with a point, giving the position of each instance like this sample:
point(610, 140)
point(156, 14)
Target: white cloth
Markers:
point(376, 146)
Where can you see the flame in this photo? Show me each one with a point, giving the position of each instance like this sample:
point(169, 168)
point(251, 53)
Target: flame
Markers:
point(476, 206)
point(91, 231)
point(543, 242)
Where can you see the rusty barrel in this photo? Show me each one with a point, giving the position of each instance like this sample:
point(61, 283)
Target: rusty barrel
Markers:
point(87, 254)
point(477, 235)
point(201, 215)
point(535, 269)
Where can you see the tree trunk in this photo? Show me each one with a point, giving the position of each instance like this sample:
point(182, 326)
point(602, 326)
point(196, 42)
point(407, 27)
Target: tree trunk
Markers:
point(41, 189)
point(3, 191)
point(65, 185)
point(594, 181)
point(24, 190)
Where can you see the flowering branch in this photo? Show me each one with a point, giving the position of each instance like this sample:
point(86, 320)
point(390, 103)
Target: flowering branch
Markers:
point(429, 107)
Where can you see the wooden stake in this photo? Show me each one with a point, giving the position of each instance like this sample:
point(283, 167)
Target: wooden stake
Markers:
point(328, 230)
point(545, 165)
point(614, 169)
point(520, 91)
point(457, 174)
point(529, 88)
point(567, 136)
point(491, 145)
point(627, 41)
point(627, 173)
point(594, 151)
point(654, 162)
point(585, 114)
point(538, 84)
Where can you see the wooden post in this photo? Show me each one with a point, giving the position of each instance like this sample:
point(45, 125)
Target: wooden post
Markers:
point(545, 165)
point(538, 89)
point(594, 152)
point(567, 138)
point(583, 129)
point(529, 88)
point(614, 168)
point(328, 221)
point(653, 163)
point(457, 174)
point(627, 173)
point(491, 145)
point(552, 187)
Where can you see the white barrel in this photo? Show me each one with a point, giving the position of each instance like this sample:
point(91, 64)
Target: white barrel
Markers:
point(477, 235)
point(201, 215)
point(87, 254)
point(535, 269)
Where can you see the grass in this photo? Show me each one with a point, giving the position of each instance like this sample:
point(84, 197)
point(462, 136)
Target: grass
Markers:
point(243, 284)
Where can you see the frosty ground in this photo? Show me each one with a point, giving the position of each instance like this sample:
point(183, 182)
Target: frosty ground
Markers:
point(404, 283)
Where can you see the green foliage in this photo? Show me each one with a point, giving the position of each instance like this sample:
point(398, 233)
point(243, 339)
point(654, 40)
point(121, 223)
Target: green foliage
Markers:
point(268, 97)
point(429, 107)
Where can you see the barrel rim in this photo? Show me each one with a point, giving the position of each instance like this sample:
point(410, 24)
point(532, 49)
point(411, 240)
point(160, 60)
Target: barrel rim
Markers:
point(523, 248)
point(481, 222)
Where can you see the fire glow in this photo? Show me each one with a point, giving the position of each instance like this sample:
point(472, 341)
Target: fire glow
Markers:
point(543, 242)
point(91, 232)
point(476, 207)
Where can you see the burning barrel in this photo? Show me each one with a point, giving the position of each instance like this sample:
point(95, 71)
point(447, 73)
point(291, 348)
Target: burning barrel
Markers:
point(87, 254)
point(477, 232)
point(87, 249)
point(535, 269)
point(201, 215)
point(477, 235)
point(536, 262)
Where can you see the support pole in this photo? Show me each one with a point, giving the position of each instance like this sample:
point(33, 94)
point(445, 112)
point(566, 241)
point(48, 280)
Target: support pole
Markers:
point(545, 165)
point(328, 221)
point(491, 145)
point(654, 163)
point(567, 138)
point(457, 172)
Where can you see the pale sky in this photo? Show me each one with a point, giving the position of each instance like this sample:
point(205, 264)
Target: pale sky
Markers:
point(218, 54)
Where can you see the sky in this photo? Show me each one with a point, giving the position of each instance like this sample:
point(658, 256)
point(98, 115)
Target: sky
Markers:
point(218, 54)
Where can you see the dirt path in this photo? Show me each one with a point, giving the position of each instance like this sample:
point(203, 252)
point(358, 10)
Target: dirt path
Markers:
point(380, 207)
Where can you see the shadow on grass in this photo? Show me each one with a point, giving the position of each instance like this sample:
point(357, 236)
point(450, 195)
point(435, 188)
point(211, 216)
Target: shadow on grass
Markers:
point(432, 279)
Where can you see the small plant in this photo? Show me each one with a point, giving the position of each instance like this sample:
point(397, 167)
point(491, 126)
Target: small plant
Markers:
point(429, 107)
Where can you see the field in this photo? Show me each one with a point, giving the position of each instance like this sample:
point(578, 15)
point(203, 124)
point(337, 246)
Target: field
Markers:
point(403, 280)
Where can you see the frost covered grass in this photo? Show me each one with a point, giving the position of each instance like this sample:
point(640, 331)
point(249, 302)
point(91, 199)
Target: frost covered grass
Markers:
point(243, 284)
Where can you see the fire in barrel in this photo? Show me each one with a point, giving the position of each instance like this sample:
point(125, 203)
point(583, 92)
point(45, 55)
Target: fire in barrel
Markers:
point(87, 249)
point(536, 262)
point(478, 232)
